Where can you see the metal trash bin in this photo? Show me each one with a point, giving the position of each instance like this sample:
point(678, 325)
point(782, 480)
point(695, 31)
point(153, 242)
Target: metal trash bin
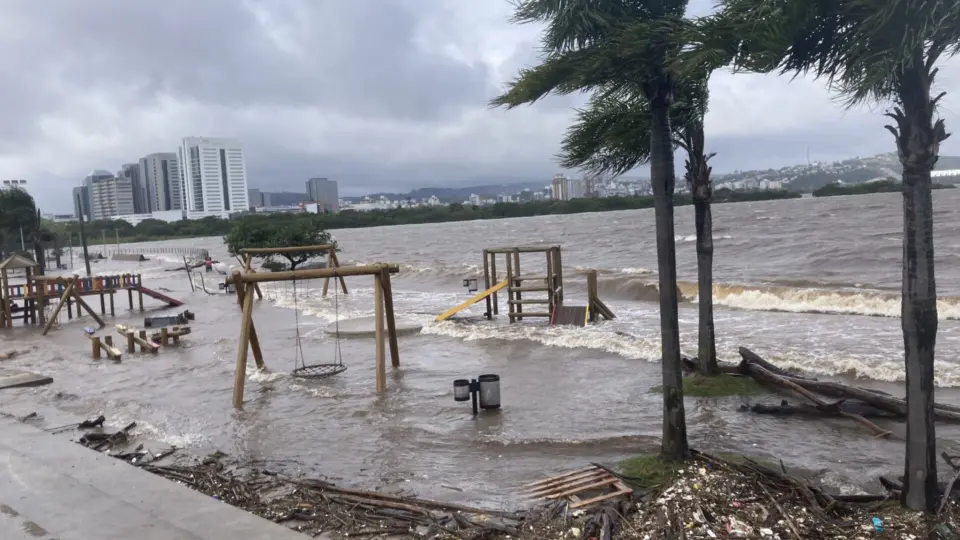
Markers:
point(461, 390)
point(489, 391)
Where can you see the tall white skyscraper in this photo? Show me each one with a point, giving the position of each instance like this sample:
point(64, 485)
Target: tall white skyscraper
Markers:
point(161, 174)
point(214, 175)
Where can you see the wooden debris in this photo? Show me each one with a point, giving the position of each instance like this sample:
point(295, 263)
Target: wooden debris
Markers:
point(573, 486)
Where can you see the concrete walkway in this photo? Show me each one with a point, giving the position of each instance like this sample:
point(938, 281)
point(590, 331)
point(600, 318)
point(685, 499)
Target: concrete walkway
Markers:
point(54, 489)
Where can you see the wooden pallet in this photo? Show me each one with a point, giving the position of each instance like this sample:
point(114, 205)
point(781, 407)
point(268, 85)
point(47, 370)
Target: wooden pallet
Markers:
point(591, 483)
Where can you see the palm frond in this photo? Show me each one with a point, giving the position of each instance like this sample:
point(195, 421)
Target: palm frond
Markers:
point(612, 134)
point(573, 24)
point(609, 136)
point(561, 73)
point(858, 46)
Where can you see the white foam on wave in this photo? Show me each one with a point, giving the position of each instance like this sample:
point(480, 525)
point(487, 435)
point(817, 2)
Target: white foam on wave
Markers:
point(569, 337)
point(831, 363)
point(823, 301)
point(173, 437)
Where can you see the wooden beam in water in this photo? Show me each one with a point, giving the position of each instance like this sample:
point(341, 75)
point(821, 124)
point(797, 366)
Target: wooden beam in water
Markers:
point(137, 337)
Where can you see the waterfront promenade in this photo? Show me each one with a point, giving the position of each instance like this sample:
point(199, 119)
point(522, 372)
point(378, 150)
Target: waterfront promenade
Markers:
point(54, 489)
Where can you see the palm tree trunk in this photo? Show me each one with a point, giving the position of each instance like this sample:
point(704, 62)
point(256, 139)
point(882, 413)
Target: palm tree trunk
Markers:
point(662, 180)
point(918, 140)
point(706, 338)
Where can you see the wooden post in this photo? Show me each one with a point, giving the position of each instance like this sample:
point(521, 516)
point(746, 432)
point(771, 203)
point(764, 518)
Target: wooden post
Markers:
point(189, 276)
point(516, 272)
point(130, 296)
point(509, 287)
point(56, 311)
point(391, 320)
point(103, 305)
point(592, 295)
point(139, 291)
point(82, 303)
point(131, 344)
point(378, 314)
point(143, 336)
point(69, 308)
point(254, 340)
point(326, 281)
point(336, 264)
point(41, 288)
point(248, 266)
point(550, 280)
point(246, 319)
point(494, 281)
point(112, 310)
point(96, 347)
point(5, 299)
point(164, 336)
point(486, 283)
point(558, 269)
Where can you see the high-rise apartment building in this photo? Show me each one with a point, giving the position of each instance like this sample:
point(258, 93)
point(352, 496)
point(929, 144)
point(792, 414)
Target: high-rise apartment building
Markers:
point(131, 172)
point(257, 198)
point(214, 175)
point(559, 188)
point(324, 191)
point(163, 185)
point(109, 196)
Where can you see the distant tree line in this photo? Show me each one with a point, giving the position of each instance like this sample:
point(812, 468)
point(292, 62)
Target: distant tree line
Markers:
point(153, 229)
point(884, 186)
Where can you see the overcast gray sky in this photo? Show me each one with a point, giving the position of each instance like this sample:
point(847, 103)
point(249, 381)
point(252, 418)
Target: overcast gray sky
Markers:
point(377, 94)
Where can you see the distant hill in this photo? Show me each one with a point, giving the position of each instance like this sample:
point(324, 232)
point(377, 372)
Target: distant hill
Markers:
point(854, 171)
point(457, 194)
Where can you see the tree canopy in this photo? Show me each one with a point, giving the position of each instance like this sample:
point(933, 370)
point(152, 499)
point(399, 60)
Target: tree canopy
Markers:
point(307, 230)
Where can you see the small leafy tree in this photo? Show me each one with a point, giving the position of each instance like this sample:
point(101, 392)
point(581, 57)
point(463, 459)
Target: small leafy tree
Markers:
point(304, 230)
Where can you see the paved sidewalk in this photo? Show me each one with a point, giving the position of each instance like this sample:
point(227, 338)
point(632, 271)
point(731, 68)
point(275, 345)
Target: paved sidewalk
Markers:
point(54, 489)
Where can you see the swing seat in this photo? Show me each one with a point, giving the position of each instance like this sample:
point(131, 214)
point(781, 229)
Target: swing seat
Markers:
point(318, 371)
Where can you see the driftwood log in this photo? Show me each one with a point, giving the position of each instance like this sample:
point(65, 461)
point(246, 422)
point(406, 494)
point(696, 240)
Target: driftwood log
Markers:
point(788, 409)
point(754, 366)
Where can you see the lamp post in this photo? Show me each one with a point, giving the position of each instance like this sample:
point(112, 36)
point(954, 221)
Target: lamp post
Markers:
point(484, 387)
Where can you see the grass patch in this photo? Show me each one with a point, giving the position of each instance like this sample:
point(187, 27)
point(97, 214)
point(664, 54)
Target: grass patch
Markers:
point(648, 470)
point(722, 385)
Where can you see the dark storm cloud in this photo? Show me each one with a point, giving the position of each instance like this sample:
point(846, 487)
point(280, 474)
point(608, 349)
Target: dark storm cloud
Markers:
point(357, 57)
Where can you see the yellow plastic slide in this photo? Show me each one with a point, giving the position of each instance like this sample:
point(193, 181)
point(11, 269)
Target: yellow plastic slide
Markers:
point(480, 296)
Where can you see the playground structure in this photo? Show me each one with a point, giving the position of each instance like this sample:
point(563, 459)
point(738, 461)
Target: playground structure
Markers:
point(246, 286)
point(37, 291)
point(544, 289)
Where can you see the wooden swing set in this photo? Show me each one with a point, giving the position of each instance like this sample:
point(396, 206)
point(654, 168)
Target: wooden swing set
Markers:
point(247, 286)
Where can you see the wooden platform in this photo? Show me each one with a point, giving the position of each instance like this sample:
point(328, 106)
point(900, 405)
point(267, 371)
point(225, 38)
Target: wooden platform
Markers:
point(582, 488)
point(20, 379)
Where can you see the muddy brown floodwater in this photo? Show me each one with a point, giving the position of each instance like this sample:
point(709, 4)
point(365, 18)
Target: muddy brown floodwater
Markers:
point(808, 283)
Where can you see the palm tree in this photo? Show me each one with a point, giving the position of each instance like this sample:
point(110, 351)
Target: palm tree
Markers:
point(612, 136)
point(614, 45)
point(871, 51)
